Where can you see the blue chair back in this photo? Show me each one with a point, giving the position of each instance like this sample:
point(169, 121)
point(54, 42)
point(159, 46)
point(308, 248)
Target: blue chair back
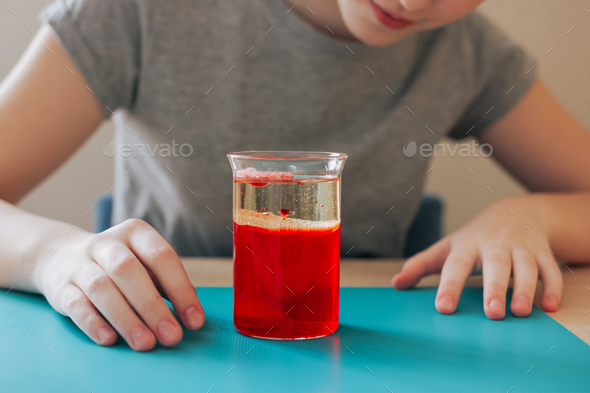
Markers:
point(103, 213)
point(424, 231)
point(427, 227)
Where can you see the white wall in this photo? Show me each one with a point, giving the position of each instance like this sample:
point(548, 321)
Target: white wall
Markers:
point(537, 24)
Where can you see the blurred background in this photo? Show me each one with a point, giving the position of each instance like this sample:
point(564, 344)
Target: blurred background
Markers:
point(538, 25)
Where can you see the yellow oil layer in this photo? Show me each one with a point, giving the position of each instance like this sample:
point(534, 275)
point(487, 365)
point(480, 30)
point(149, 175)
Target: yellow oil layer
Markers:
point(271, 221)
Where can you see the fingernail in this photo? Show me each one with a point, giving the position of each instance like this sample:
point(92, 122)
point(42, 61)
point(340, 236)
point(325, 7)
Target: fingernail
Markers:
point(167, 330)
point(194, 317)
point(496, 305)
point(140, 336)
point(446, 303)
point(104, 335)
point(522, 301)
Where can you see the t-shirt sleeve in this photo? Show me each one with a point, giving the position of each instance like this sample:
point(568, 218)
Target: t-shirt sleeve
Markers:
point(103, 39)
point(504, 73)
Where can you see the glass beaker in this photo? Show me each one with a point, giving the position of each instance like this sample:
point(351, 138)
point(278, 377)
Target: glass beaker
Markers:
point(286, 227)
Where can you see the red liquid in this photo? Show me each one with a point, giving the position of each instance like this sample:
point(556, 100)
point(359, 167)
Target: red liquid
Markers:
point(286, 281)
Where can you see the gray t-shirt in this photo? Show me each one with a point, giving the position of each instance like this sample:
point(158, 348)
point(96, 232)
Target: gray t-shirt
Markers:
point(249, 75)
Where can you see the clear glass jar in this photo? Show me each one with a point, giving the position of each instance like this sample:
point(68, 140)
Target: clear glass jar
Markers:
point(286, 213)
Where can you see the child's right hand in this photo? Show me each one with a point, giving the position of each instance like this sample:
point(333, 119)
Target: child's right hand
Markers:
point(115, 280)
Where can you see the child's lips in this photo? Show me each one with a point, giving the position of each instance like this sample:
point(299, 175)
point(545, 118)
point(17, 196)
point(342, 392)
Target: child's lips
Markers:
point(388, 20)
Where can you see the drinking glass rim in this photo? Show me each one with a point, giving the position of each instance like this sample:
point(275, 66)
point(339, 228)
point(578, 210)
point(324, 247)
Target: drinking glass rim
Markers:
point(286, 155)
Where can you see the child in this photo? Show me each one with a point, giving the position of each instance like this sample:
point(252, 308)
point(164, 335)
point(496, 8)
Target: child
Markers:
point(365, 77)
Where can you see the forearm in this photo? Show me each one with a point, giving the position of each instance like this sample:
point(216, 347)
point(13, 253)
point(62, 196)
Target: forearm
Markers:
point(564, 218)
point(25, 239)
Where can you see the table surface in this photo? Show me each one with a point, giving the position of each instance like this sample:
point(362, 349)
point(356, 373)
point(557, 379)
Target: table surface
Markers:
point(387, 340)
point(573, 312)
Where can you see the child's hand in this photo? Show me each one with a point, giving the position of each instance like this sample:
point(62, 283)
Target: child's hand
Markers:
point(496, 243)
point(119, 277)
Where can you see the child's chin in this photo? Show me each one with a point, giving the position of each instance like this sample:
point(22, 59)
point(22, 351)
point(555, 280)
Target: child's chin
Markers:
point(375, 37)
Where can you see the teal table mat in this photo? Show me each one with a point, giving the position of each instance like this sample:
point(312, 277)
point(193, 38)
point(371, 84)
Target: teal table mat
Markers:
point(388, 341)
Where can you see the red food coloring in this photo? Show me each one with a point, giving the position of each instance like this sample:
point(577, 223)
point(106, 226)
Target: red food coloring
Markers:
point(257, 211)
point(321, 205)
point(284, 212)
point(266, 208)
point(295, 257)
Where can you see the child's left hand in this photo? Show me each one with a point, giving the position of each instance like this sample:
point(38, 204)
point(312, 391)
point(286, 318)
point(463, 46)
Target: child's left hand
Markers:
point(497, 242)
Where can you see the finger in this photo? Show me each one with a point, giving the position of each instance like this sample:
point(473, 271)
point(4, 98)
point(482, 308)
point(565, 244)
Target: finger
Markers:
point(454, 273)
point(77, 306)
point(157, 284)
point(108, 300)
point(161, 259)
point(552, 282)
point(496, 267)
point(422, 264)
point(525, 275)
point(134, 282)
